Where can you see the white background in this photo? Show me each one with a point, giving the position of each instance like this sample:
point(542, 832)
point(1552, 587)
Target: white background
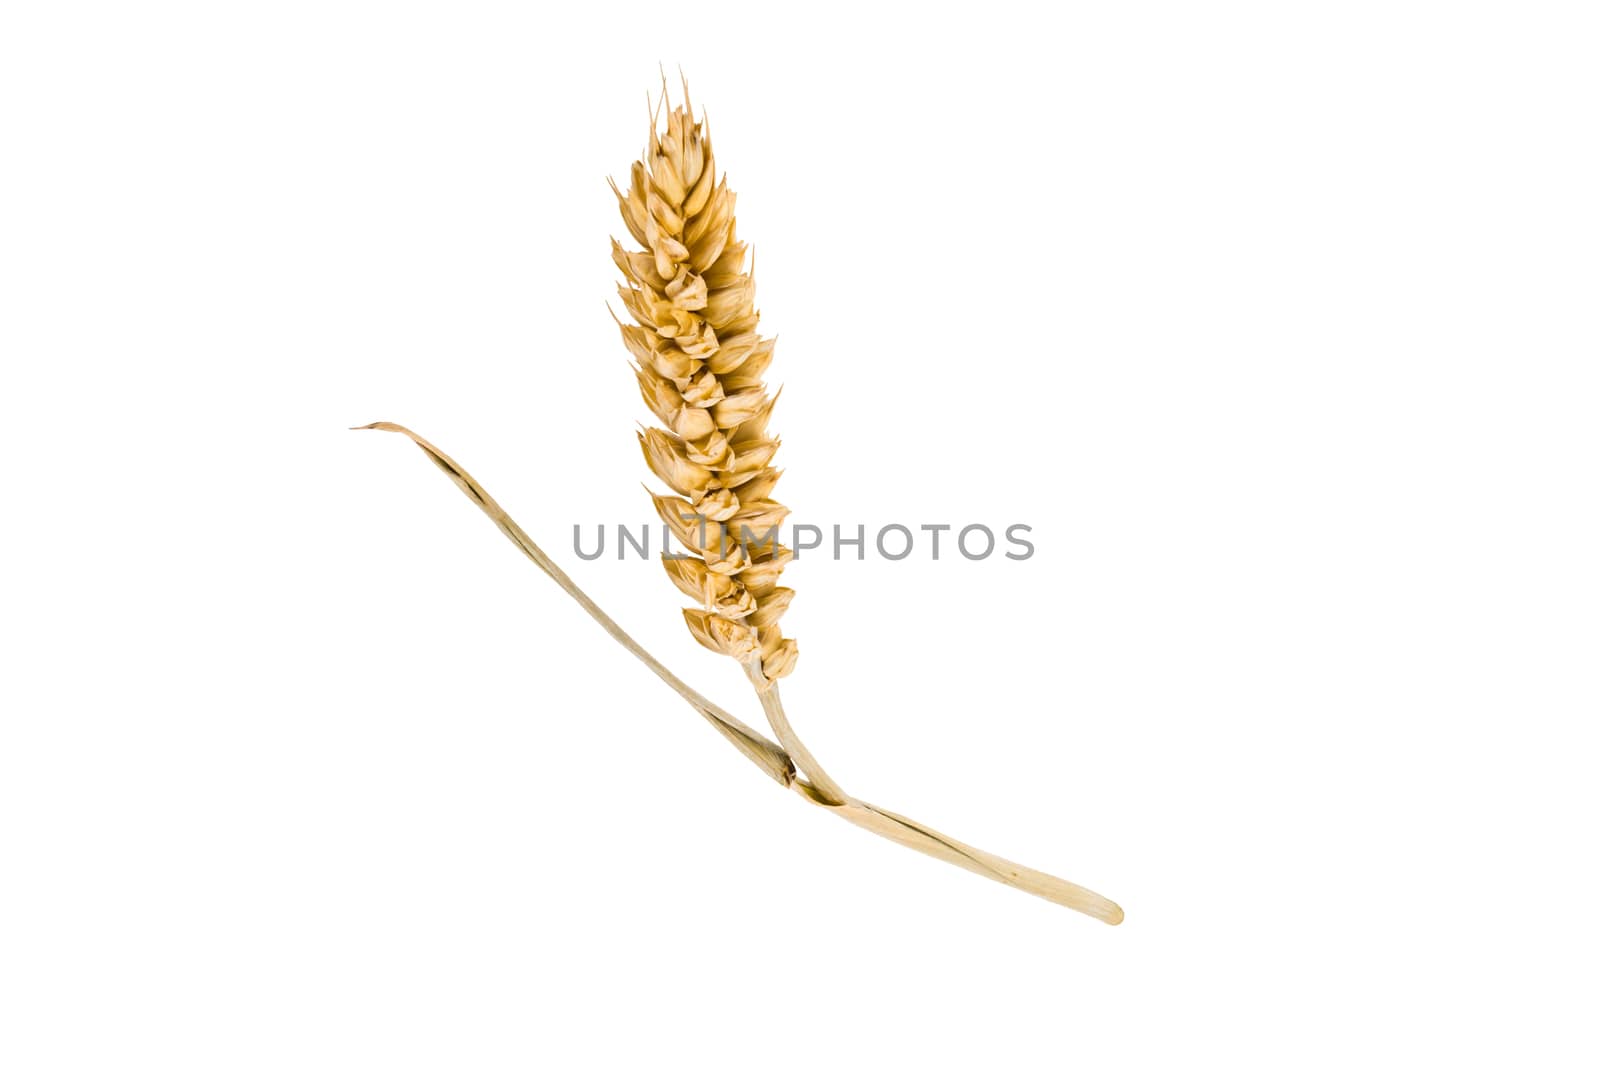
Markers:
point(1278, 324)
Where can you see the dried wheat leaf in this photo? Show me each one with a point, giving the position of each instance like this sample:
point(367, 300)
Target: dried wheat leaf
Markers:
point(764, 752)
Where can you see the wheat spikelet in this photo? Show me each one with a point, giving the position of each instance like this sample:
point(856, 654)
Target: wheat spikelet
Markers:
point(699, 361)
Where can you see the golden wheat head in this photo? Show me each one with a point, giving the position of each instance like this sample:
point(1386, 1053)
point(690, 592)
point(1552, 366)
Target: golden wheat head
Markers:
point(699, 361)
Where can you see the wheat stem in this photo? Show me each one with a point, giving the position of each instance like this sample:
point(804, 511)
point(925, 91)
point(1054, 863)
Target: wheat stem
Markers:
point(909, 833)
point(769, 756)
point(828, 792)
point(823, 791)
